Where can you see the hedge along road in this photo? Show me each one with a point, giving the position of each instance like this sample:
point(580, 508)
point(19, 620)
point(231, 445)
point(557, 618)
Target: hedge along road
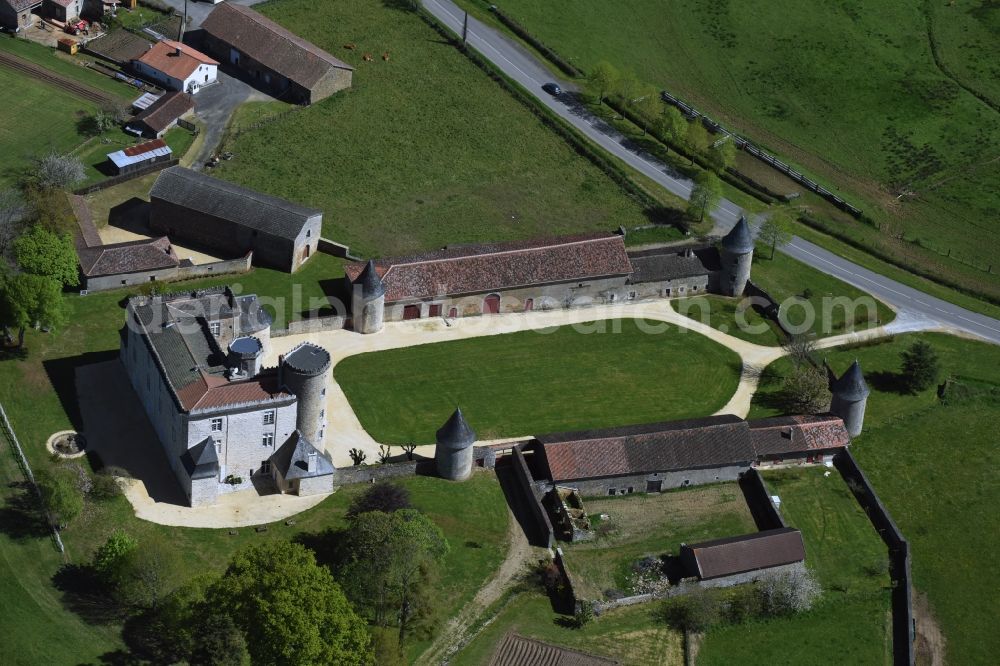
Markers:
point(524, 68)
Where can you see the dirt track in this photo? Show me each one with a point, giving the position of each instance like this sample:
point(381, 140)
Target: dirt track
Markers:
point(69, 85)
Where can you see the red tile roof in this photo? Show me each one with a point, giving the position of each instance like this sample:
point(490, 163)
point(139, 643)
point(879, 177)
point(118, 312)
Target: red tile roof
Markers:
point(213, 391)
point(146, 147)
point(797, 434)
point(484, 268)
point(128, 257)
point(749, 552)
point(174, 59)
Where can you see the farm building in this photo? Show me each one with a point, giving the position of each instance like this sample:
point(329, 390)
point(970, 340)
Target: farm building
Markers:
point(191, 206)
point(121, 264)
point(135, 158)
point(18, 14)
point(659, 456)
point(63, 10)
point(731, 556)
point(176, 66)
point(528, 275)
point(272, 58)
point(162, 114)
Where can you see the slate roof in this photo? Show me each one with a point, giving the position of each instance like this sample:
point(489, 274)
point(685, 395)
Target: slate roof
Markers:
point(159, 115)
point(292, 459)
point(476, 269)
point(748, 552)
point(175, 327)
point(201, 461)
point(739, 240)
point(456, 432)
point(670, 263)
point(308, 358)
point(655, 447)
point(797, 434)
point(270, 44)
point(371, 284)
point(228, 201)
point(174, 59)
point(851, 385)
point(516, 650)
point(129, 257)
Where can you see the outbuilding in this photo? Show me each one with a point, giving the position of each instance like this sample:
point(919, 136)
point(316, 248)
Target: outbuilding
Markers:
point(176, 66)
point(18, 14)
point(162, 115)
point(138, 157)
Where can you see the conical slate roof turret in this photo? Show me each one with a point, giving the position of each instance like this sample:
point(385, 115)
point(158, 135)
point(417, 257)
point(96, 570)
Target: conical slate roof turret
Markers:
point(739, 240)
point(456, 433)
point(371, 283)
point(851, 385)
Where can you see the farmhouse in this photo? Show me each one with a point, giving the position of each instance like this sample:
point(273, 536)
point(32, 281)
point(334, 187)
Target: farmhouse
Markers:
point(540, 274)
point(191, 206)
point(225, 423)
point(272, 58)
point(658, 456)
point(176, 66)
point(161, 115)
point(135, 158)
point(18, 14)
point(742, 554)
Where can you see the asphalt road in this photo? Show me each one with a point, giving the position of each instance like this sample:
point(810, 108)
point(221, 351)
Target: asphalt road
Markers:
point(523, 67)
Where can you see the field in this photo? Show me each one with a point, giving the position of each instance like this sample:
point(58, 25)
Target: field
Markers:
point(94, 151)
point(651, 525)
point(941, 501)
point(424, 150)
point(537, 381)
point(852, 92)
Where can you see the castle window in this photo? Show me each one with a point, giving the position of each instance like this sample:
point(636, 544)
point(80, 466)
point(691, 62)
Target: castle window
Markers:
point(631, 295)
point(215, 327)
point(268, 439)
point(216, 425)
point(269, 417)
point(611, 491)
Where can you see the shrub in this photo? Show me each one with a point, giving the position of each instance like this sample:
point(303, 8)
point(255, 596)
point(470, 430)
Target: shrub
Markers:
point(60, 494)
point(110, 557)
point(789, 592)
point(53, 171)
point(744, 603)
point(104, 485)
point(696, 611)
point(584, 614)
point(920, 366)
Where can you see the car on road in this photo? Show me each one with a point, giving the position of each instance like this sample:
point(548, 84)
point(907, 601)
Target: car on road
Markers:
point(552, 89)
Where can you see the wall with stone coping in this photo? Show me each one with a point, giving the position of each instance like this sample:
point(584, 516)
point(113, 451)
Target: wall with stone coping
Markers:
point(691, 477)
point(532, 496)
point(345, 476)
point(765, 513)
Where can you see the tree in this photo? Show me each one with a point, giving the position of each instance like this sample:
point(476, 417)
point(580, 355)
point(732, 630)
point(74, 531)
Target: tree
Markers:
point(63, 499)
point(602, 80)
point(41, 252)
point(801, 349)
point(358, 457)
point(921, 366)
point(220, 643)
point(13, 210)
point(705, 195)
point(27, 299)
point(385, 497)
point(788, 592)
point(386, 563)
point(110, 557)
point(671, 125)
point(146, 573)
point(628, 88)
point(289, 608)
point(648, 106)
point(696, 137)
point(50, 209)
point(53, 171)
point(805, 391)
point(774, 232)
point(722, 154)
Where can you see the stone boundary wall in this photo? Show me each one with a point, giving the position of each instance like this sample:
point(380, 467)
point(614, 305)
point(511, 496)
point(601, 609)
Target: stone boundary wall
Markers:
point(526, 485)
point(344, 476)
point(758, 498)
point(313, 325)
point(117, 180)
point(327, 246)
point(241, 265)
point(899, 556)
point(570, 594)
point(770, 309)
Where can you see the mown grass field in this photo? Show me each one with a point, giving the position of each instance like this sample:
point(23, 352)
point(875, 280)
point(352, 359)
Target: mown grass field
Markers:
point(850, 91)
point(424, 150)
point(940, 500)
point(593, 375)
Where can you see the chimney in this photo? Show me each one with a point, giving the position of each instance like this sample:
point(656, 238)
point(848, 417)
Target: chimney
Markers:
point(311, 464)
point(177, 50)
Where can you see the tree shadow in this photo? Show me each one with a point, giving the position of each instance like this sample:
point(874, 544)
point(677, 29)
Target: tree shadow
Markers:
point(86, 595)
point(408, 6)
point(887, 382)
point(21, 518)
point(327, 546)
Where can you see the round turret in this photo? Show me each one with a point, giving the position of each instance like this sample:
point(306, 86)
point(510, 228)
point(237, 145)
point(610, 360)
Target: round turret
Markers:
point(245, 354)
point(305, 372)
point(736, 253)
point(850, 396)
point(368, 300)
point(453, 454)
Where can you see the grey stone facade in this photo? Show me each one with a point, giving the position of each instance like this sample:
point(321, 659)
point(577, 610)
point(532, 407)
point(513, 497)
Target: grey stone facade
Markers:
point(656, 482)
point(453, 453)
point(367, 301)
point(305, 371)
point(850, 397)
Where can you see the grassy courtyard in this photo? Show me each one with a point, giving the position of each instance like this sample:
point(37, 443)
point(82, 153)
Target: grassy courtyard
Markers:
point(597, 374)
point(851, 92)
point(941, 503)
point(424, 150)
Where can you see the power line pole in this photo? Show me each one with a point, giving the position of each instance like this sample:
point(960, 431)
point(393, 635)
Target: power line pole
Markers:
point(465, 28)
point(180, 28)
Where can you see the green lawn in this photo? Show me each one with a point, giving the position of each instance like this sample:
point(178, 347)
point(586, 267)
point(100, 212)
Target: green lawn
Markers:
point(598, 374)
point(95, 150)
point(424, 150)
point(851, 92)
point(69, 66)
point(726, 315)
point(942, 502)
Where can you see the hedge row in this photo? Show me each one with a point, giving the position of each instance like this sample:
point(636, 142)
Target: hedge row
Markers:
point(567, 68)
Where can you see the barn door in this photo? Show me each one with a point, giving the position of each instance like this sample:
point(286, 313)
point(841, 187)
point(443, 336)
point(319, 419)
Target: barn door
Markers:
point(491, 305)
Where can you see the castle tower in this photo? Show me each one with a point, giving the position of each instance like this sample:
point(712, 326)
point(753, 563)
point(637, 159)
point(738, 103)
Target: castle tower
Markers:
point(245, 354)
point(453, 454)
point(850, 395)
point(368, 300)
point(736, 252)
point(305, 372)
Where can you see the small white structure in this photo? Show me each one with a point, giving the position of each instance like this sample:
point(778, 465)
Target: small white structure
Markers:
point(177, 66)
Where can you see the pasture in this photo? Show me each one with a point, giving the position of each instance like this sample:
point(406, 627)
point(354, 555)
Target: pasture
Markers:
point(424, 150)
point(852, 92)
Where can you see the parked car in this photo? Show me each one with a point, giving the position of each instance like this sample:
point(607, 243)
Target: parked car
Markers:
point(552, 89)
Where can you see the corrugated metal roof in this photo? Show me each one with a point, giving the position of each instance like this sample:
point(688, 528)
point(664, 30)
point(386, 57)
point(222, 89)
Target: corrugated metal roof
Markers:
point(140, 153)
point(145, 101)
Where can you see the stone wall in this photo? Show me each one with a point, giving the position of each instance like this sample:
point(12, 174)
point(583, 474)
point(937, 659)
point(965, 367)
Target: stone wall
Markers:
point(106, 282)
point(316, 485)
point(758, 498)
point(668, 480)
point(532, 496)
point(345, 476)
point(312, 325)
point(333, 81)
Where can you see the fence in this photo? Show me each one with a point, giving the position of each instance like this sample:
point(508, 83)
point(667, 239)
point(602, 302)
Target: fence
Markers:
point(899, 555)
point(117, 180)
point(22, 462)
point(762, 155)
